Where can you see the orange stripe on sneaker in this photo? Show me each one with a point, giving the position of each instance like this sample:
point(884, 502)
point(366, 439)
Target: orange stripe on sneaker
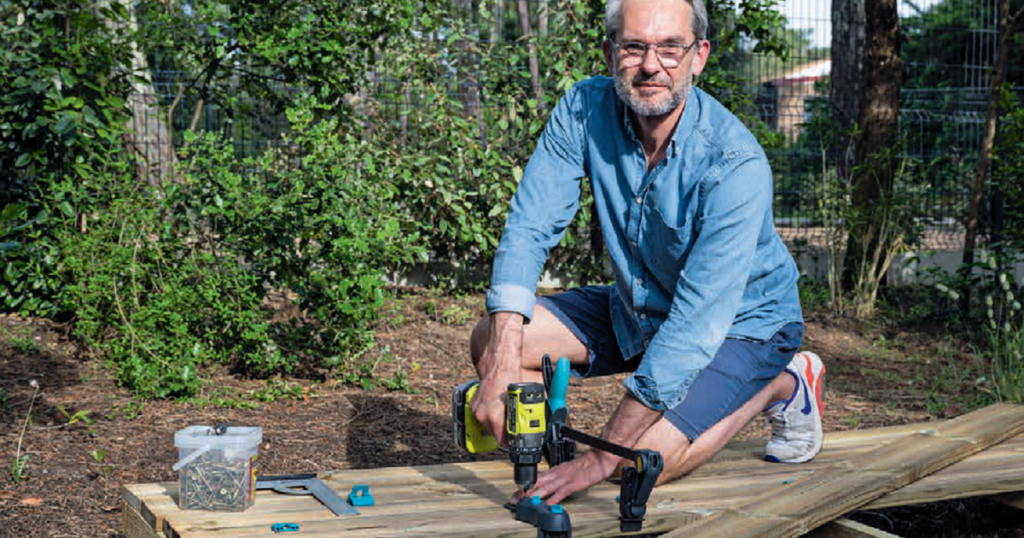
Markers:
point(817, 383)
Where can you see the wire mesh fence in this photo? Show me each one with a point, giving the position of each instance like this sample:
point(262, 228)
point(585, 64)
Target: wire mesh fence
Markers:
point(946, 61)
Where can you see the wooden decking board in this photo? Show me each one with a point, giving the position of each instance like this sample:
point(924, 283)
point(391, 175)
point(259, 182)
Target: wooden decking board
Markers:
point(841, 488)
point(464, 499)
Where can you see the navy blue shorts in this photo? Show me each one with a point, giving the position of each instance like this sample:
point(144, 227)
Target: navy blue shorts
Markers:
point(740, 369)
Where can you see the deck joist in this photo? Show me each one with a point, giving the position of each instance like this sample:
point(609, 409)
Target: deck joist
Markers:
point(465, 499)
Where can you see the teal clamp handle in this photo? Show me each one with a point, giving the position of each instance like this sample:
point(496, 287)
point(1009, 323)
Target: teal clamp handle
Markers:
point(360, 496)
point(559, 385)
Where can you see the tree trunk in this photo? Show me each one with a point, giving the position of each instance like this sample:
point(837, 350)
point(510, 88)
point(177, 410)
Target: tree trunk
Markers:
point(149, 137)
point(845, 79)
point(542, 18)
point(527, 30)
point(497, 21)
point(1007, 26)
point(877, 141)
point(468, 87)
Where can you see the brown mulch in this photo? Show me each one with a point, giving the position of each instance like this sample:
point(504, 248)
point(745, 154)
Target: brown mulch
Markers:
point(76, 469)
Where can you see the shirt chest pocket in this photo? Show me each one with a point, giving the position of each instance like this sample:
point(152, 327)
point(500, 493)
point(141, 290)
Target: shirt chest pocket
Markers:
point(666, 240)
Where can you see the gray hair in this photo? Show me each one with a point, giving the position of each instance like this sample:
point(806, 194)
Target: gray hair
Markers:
point(613, 18)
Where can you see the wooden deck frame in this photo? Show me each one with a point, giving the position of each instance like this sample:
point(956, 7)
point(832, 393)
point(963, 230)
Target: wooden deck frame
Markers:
point(465, 499)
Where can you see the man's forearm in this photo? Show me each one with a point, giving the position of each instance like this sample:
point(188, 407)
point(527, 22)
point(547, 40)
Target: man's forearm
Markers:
point(629, 421)
point(506, 343)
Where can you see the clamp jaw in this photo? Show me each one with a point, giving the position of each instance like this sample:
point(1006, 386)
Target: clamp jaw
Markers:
point(637, 483)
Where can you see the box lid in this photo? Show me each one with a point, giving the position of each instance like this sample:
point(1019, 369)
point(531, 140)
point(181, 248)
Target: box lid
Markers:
point(234, 437)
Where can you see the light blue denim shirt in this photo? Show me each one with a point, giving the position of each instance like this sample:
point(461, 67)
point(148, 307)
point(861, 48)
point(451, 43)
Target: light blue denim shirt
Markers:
point(693, 247)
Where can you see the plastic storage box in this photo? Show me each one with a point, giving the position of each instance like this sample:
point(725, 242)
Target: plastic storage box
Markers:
point(217, 467)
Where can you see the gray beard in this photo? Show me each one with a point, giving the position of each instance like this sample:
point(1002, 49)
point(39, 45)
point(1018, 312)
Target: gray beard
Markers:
point(676, 97)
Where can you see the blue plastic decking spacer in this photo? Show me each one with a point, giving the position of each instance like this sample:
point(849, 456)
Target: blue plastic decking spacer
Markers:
point(284, 527)
point(360, 496)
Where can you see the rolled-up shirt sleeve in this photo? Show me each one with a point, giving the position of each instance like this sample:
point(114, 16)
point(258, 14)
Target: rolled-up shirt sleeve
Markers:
point(711, 284)
point(545, 203)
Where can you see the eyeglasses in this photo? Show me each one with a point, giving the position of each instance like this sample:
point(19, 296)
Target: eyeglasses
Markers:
point(632, 53)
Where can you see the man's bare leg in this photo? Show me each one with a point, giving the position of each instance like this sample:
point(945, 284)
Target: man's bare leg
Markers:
point(545, 334)
point(681, 456)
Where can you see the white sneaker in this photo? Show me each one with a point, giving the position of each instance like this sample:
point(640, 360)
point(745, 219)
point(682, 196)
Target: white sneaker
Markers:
point(796, 422)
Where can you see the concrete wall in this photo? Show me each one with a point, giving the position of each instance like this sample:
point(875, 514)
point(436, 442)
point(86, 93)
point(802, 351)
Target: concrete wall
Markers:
point(916, 267)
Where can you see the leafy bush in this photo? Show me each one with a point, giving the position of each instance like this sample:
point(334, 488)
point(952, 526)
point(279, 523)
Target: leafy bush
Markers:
point(1008, 167)
point(66, 75)
point(168, 280)
point(29, 261)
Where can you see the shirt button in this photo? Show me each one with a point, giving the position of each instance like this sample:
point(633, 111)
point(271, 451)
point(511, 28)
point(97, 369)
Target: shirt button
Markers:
point(643, 315)
point(633, 243)
point(639, 200)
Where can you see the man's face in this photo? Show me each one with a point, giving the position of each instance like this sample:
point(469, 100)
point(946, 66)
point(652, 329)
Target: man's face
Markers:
point(647, 86)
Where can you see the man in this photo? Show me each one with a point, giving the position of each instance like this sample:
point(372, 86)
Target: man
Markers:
point(704, 311)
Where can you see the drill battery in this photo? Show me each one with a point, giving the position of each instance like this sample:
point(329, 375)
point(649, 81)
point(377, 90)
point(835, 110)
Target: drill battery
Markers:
point(469, 433)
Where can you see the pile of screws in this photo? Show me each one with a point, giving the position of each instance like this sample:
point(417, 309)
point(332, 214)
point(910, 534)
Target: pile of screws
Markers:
point(213, 482)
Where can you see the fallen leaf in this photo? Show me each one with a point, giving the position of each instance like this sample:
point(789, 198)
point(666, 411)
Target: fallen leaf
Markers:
point(31, 501)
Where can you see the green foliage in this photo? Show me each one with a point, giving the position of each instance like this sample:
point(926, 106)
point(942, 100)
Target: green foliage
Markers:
point(66, 75)
point(80, 416)
point(21, 340)
point(456, 314)
point(1004, 331)
point(169, 280)
point(19, 464)
point(130, 411)
point(813, 295)
point(934, 53)
point(1008, 168)
point(277, 389)
point(29, 262)
point(994, 321)
point(227, 51)
point(733, 27)
point(19, 469)
point(67, 71)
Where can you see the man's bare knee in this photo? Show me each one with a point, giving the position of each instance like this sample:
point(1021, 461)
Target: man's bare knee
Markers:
point(478, 339)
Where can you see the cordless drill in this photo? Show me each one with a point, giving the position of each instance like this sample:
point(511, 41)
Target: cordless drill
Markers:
point(526, 427)
point(525, 423)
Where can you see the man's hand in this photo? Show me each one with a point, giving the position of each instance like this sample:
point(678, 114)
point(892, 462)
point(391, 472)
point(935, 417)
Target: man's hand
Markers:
point(500, 365)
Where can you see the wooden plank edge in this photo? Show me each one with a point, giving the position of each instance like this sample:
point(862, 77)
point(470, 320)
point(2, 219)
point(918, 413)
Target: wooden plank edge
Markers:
point(133, 525)
point(845, 528)
point(968, 434)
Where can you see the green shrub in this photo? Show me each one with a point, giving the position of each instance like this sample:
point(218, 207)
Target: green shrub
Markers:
point(66, 74)
point(29, 262)
point(168, 280)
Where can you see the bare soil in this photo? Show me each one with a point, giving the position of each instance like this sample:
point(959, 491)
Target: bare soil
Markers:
point(877, 375)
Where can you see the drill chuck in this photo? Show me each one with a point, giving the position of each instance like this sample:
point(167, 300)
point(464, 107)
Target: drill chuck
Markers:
point(525, 475)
